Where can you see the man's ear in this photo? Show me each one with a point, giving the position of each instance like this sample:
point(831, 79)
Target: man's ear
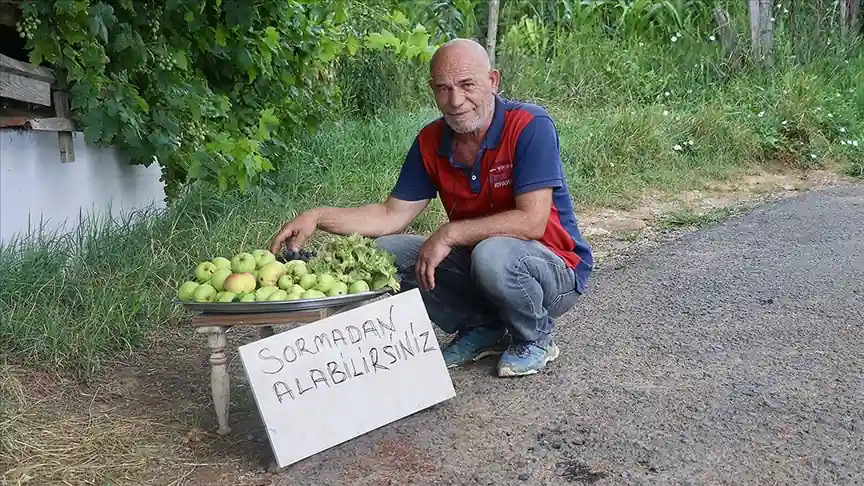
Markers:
point(495, 78)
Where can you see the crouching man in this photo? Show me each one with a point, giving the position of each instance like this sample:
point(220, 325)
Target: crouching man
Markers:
point(511, 258)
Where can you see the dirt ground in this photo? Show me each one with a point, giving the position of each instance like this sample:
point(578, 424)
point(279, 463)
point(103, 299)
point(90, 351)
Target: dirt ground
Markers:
point(149, 418)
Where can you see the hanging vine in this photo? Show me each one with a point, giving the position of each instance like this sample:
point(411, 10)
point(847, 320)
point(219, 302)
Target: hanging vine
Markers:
point(208, 89)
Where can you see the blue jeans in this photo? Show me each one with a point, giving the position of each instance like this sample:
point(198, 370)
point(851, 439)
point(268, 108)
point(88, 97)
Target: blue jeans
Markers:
point(520, 285)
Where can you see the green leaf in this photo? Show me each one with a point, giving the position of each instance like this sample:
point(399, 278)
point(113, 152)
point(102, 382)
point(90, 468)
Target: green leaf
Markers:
point(180, 59)
point(341, 14)
point(398, 17)
point(271, 38)
point(189, 16)
point(142, 103)
point(221, 36)
point(380, 40)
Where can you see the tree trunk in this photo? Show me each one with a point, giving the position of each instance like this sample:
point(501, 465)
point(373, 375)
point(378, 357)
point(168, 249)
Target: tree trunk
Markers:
point(850, 17)
point(762, 31)
point(492, 30)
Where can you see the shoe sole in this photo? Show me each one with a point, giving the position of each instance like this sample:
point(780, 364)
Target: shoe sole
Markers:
point(554, 352)
point(478, 357)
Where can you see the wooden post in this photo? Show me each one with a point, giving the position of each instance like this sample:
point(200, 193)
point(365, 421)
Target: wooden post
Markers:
point(762, 32)
point(850, 12)
point(61, 109)
point(492, 30)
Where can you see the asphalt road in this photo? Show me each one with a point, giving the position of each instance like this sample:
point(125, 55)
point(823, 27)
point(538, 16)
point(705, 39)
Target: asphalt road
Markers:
point(732, 356)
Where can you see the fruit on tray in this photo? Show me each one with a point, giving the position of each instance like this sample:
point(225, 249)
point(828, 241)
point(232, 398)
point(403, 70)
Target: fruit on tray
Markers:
point(344, 265)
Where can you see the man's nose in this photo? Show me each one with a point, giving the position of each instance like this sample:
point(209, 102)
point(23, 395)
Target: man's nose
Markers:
point(456, 98)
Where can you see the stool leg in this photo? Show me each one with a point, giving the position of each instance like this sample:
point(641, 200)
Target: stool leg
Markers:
point(219, 378)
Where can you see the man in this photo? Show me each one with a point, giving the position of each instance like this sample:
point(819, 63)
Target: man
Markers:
point(511, 258)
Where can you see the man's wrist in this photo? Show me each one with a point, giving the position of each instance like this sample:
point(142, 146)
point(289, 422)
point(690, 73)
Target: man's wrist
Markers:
point(449, 234)
point(315, 215)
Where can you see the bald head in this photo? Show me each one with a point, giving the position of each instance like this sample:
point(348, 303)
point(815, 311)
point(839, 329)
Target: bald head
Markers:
point(460, 51)
point(464, 84)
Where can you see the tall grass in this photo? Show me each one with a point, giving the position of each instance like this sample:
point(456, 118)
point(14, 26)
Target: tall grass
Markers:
point(634, 112)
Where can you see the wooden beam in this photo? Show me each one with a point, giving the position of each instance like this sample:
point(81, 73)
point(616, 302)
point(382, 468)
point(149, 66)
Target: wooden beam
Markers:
point(22, 88)
point(61, 108)
point(14, 66)
point(51, 124)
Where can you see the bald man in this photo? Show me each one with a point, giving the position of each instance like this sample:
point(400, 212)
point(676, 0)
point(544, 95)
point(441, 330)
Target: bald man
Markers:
point(510, 259)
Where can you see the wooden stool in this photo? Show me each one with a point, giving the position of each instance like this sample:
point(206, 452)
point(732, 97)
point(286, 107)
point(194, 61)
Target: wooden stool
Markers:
point(215, 327)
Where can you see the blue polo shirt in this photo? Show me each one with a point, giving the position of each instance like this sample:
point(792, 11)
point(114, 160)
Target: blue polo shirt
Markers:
point(519, 154)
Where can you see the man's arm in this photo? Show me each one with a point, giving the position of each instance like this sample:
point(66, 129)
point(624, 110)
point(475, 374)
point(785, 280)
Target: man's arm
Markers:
point(372, 220)
point(412, 193)
point(536, 172)
point(526, 222)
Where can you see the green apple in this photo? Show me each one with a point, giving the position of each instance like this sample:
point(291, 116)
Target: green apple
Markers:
point(312, 294)
point(278, 295)
point(222, 262)
point(204, 271)
point(285, 282)
point(338, 288)
point(296, 289)
point(294, 296)
point(239, 282)
point(184, 293)
point(225, 296)
point(243, 262)
point(263, 257)
point(269, 274)
point(298, 268)
point(218, 278)
point(204, 293)
point(308, 280)
point(324, 282)
point(247, 297)
point(262, 293)
point(358, 287)
point(380, 282)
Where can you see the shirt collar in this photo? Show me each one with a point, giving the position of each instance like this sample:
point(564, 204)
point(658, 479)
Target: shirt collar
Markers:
point(493, 135)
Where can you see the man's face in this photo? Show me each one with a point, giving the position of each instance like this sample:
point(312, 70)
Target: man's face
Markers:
point(464, 92)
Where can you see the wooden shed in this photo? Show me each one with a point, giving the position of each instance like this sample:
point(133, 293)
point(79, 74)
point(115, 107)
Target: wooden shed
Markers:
point(51, 180)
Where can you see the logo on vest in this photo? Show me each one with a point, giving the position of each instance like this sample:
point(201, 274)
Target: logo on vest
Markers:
point(501, 175)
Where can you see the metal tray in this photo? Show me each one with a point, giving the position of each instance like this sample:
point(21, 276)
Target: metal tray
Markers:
point(281, 306)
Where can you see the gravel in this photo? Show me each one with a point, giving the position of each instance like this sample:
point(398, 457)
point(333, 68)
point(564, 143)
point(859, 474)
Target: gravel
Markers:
point(734, 355)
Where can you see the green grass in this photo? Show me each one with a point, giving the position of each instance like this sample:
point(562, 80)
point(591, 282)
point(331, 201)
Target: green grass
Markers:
point(73, 301)
point(690, 218)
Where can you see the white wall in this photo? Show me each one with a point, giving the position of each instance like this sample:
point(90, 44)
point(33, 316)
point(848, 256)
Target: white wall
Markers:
point(37, 190)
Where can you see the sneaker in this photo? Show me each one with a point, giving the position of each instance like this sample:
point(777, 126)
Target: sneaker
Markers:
point(527, 358)
point(475, 344)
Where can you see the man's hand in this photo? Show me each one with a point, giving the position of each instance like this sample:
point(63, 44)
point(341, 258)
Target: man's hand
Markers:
point(434, 251)
point(294, 233)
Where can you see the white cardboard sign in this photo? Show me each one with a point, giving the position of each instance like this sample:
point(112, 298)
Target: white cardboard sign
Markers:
point(324, 383)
